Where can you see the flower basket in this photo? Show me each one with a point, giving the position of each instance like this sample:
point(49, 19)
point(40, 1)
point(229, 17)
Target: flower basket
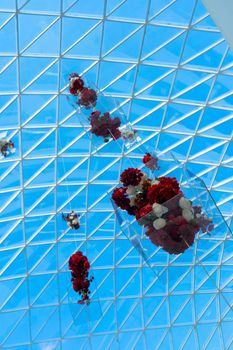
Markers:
point(99, 113)
point(176, 229)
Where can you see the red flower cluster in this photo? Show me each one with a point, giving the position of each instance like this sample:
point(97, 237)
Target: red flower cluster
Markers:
point(131, 176)
point(87, 97)
point(105, 126)
point(120, 199)
point(166, 189)
point(79, 266)
point(183, 236)
point(5, 147)
point(150, 161)
point(169, 218)
point(76, 84)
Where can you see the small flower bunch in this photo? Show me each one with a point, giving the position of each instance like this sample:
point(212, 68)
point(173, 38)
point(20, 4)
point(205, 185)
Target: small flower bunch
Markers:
point(105, 126)
point(128, 134)
point(150, 161)
point(79, 266)
point(6, 147)
point(170, 220)
point(72, 220)
point(86, 97)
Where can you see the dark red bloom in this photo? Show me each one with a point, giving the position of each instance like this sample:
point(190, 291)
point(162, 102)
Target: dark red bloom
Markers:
point(79, 266)
point(182, 239)
point(76, 84)
point(144, 215)
point(150, 161)
point(120, 198)
point(145, 210)
point(88, 98)
point(165, 190)
point(105, 126)
point(131, 176)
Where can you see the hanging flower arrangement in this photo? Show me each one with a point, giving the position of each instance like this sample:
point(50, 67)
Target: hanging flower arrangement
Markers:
point(170, 219)
point(80, 266)
point(103, 124)
point(6, 147)
point(72, 220)
point(150, 161)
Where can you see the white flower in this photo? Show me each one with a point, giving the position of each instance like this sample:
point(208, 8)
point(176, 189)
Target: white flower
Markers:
point(71, 217)
point(154, 182)
point(132, 201)
point(159, 223)
point(72, 80)
point(159, 209)
point(188, 214)
point(75, 222)
point(131, 190)
point(184, 203)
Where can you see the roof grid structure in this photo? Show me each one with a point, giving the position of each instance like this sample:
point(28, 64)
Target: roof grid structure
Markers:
point(168, 66)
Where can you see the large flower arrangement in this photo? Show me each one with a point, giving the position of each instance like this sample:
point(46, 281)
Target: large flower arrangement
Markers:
point(170, 220)
point(79, 266)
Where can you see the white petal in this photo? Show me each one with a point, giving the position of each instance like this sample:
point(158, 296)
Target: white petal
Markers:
point(159, 223)
point(131, 190)
point(184, 203)
point(75, 222)
point(159, 209)
point(154, 182)
point(188, 214)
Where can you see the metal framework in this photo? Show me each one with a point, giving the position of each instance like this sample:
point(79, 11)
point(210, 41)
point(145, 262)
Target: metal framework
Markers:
point(170, 69)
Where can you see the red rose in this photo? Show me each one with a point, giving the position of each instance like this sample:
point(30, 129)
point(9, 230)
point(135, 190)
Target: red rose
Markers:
point(76, 84)
point(150, 161)
point(79, 266)
point(166, 189)
point(88, 98)
point(146, 158)
point(145, 210)
point(131, 176)
point(120, 199)
point(105, 126)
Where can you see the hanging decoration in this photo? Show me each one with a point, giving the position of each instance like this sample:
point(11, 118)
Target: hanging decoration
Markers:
point(79, 266)
point(101, 113)
point(6, 147)
point(170, 220)
point(150, 161)
point(72, 220)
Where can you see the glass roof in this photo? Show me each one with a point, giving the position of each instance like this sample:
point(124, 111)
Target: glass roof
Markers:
point(167, 65)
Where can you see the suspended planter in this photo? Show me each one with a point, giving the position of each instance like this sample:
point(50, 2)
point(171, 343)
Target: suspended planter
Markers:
point(98, 113)
point(157, 211)
point(82, 293)
point(72, 220)
point(6, 146)
point(81, 279)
